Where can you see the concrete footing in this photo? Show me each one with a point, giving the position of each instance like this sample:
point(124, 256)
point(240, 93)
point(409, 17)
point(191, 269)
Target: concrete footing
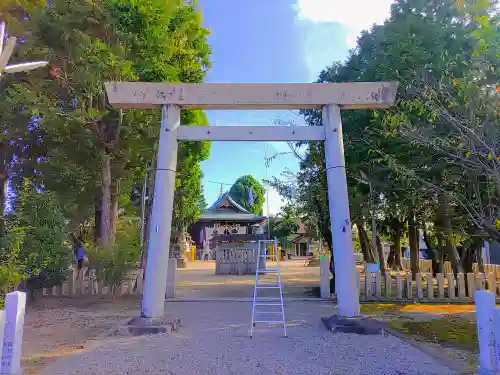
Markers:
point(361, 326)
point(140, 326)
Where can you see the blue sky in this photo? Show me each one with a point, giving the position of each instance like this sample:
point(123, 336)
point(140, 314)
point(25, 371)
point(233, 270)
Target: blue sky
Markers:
point(273, 41)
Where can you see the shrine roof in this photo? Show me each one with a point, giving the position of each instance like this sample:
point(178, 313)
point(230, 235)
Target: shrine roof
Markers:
point(226, 209)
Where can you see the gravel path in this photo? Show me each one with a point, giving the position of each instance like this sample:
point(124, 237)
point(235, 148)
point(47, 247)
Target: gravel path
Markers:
point(214, 339)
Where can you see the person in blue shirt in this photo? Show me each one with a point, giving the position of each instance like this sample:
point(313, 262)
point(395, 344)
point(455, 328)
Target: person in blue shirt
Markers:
point(80, 255)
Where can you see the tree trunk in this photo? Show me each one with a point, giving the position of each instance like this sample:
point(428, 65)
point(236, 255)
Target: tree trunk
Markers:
point(433, 253)
point(391, 257)
point(115, 197)
point(479, 257)
point(97, 220)
point(364, 242)
point(439, 237)
point(467, 259)
point(105, 239)
point(414, 243)
point(380, 251)
point(398, 259)
point(451, 247)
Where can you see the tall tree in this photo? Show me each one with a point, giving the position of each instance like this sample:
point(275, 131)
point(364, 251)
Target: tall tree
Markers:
point(249, 193)
point(96, 150)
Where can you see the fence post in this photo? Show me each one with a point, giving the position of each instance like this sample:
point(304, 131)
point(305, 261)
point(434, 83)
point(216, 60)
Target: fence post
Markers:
point(324, 278)
point(420, 291)
point(368, 285)
point(461, 286)
point(440, 282)
point(388, 285)
point(409, 285)
point(399, 286)
point(471, 284)
point(492, 283)
point(485, 304)
point(451, 285)
point(15, 307)
point(430, 285)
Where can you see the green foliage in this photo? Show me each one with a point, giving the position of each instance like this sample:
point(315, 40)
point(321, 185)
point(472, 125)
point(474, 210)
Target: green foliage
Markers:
point(284, 225)
point(12, 267)
point(240, 193)
point(39, 238)
point(432, 156)
point(88, 43)
point(114, 263)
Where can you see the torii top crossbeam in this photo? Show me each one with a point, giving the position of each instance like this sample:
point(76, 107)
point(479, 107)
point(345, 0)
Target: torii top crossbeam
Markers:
point(352, 95)
point(355, 95)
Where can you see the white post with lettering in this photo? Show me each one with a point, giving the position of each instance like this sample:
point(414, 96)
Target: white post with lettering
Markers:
point(485, 305)
point(15, 307)
point(338, 202)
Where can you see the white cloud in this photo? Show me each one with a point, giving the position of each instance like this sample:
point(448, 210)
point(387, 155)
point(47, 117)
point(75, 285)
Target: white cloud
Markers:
point(354, 15)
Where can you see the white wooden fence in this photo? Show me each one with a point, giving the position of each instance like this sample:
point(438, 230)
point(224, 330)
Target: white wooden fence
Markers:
point(426, 266)
point(400, 286)
point(394, 286)
point(88, 284)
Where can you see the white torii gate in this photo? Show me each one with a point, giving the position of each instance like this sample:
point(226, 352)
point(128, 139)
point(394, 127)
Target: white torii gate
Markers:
point(331, 97)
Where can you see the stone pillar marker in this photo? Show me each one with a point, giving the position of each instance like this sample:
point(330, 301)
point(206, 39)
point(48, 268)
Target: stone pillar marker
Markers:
point(15, 307)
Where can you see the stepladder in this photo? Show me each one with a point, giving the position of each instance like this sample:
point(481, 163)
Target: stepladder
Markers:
point(267, 306)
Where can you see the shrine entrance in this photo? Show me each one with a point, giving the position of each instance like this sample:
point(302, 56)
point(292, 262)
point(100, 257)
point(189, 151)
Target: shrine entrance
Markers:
point(329, 97)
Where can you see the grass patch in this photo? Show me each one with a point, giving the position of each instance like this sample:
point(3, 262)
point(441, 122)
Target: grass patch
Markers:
point(448, 330)
point(379, 309)
point(417, 308)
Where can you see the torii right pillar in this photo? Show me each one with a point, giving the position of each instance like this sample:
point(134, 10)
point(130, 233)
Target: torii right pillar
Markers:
point(346, 285)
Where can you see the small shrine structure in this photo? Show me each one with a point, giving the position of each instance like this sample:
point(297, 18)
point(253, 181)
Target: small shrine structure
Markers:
point(232, 233)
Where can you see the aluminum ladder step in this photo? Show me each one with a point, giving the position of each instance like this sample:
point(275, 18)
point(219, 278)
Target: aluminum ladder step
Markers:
point(265, 284)
point(269, 286)
point(270, 270)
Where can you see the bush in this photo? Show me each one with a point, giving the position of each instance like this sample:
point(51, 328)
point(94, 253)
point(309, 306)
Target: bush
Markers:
point(39, 228)
point(113, 263)
point(11, 267)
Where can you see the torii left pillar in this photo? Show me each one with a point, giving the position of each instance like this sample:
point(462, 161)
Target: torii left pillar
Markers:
point(153, 301)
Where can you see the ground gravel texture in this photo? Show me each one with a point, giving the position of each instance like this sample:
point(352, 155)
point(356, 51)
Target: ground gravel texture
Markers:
point(214, 340)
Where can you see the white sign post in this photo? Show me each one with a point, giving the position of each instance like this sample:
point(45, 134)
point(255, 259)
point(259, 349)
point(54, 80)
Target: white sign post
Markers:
point(15, 307)
point(485, 306)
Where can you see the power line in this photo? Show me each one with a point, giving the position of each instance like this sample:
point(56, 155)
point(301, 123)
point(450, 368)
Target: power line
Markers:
point(218, 183)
